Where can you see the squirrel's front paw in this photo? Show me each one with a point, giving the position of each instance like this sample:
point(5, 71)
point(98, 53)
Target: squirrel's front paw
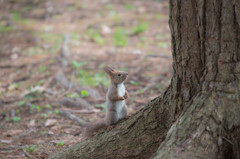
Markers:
point(125, 95)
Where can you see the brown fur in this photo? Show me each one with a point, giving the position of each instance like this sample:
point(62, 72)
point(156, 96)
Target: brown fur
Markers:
point(112, 97)
point(95, 127)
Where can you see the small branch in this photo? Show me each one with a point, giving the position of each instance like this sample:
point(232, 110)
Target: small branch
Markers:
point(73, 117)
point(82, 111)
point(79, 103)
point(160, 56)
point(12, 66)
point(28, 155)
point(227, 140)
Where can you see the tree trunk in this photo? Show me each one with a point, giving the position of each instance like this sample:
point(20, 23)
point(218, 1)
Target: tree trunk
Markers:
point(198, 116)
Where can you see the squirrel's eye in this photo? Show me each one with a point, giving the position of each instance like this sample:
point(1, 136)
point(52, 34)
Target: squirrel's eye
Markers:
point(119, 74)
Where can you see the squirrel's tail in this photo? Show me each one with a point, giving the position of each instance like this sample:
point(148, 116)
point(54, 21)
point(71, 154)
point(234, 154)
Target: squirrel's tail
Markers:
point(94, 127)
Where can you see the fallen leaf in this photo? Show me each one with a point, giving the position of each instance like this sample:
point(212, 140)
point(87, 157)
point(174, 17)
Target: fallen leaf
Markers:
point(31, 123)
point(50, 122)
point(50, 133)
point(105, 30)
point(6, 141)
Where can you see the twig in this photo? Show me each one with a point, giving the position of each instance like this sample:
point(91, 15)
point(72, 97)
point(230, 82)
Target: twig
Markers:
point(160, 55)
point(28, 155)
point(81, 111)
point(73, 117)
point(12, 66)
point(227, 140)
point(79, 103)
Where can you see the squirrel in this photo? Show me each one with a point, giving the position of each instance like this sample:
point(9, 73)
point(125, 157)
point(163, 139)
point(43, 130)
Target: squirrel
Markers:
point(115, 100)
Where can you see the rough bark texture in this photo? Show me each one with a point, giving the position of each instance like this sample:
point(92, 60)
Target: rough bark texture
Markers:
point(199, 114)
point(136, 137)
point(206, 33)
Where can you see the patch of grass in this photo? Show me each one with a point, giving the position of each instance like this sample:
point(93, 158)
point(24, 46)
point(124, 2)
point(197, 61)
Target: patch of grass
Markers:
point(44, 115)
point(38, 108)
point(60, 143)
point(33, 106)
point(100, 78)
point(158, 16)
point(16, 16)
point(77, 65)
point(134, 83)
point(108, 6)
point(162, 44)
point(140, 91)
point(55, 40)
point(48, 28)
point(84, 93)
point(120, 37)
point(143, 38)
point(30, 148)
point(27, 22)
point(16, 119)
point(43, 132)
point(49, 106)
point(160, 37)
point(75, 36)
point(14, 86)
point(123, 69)
point(129, 6)
point(57, 111)
point(141, 27)
point(34, 50)
point(21, 103)
point(17, 111)
point(140, 44)
point(38, 83)
point(8, 119)
point(114, 15)
point(73, 95)
point(70, 7)
point(50, 37)
point(95, 36)
point(26, 8)
point(102, 106)
point(42, 68)
point(5, 29)
point(33, 94)
point(87, 79)
point(98, 39)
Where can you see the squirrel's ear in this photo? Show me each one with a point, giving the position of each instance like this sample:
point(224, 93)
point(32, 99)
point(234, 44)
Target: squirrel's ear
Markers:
point(108, 70)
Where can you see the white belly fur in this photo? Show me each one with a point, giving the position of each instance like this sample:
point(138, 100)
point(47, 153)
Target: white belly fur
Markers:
point(120, 104)
point(121, 89)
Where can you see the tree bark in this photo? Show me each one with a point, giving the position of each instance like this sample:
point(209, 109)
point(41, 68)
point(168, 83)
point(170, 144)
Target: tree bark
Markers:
point(208, 126)
point(136, 137)
point(198, 116)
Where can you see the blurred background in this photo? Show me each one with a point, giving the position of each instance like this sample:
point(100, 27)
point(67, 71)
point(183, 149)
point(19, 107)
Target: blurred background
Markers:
point(52, 54)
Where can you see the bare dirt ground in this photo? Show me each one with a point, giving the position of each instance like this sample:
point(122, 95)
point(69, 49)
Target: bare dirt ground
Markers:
point(52, 55)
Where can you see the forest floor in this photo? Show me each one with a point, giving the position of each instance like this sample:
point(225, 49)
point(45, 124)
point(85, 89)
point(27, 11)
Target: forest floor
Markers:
point(52, 56)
